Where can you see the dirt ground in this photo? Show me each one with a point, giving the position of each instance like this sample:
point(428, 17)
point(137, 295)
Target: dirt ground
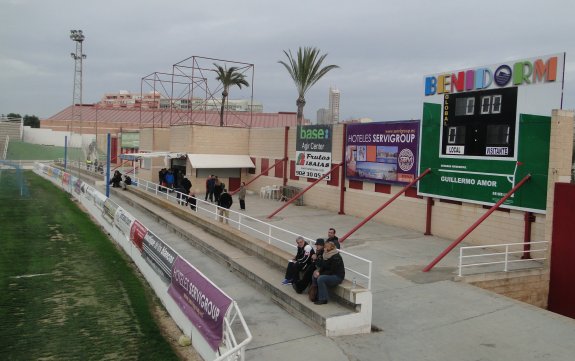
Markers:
point(172, 333)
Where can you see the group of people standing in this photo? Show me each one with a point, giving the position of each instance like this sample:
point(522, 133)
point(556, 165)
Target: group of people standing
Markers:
point(316, 269)
point(214, 188)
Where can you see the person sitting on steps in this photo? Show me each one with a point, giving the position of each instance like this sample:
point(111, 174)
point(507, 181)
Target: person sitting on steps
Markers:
point(301, 260)
point(330, 274)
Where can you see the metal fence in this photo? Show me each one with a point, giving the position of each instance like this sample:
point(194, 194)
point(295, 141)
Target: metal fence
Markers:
point(503, 257)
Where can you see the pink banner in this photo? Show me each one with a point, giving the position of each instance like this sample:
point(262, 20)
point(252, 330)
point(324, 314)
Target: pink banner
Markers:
point(202, 302)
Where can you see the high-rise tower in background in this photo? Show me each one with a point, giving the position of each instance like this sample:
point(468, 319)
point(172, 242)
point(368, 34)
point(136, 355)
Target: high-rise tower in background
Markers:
point(334, 105)
point(323, 116)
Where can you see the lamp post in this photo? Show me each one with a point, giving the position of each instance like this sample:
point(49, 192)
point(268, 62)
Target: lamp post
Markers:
point(78, 37)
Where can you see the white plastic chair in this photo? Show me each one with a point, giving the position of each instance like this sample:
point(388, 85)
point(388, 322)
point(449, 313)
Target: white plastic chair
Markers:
point(266, 192)
point(275, 192)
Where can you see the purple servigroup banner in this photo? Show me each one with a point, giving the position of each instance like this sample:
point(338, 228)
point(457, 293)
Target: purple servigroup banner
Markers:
point(202, 302)
point(382, 152)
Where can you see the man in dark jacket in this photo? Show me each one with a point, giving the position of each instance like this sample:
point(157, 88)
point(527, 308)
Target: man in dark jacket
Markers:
point(331, 237)
point(330, 274)
point(225, 202)
point(299, 285)
point(300, 262)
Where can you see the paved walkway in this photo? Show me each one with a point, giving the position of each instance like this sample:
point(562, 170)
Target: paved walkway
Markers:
point(422, 316)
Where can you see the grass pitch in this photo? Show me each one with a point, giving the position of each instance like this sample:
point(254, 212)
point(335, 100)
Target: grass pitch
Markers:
point(66, 292)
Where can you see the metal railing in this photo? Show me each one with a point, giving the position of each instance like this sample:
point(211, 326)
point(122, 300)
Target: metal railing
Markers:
point(510, 255)
point(359, 267)
point(236, 351)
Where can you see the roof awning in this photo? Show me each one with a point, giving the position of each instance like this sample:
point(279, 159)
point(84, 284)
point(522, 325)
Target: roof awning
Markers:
point(199, 161)
point(135, 156)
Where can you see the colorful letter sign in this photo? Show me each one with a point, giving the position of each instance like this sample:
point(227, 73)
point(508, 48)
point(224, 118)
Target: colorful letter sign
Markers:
point(484, 129)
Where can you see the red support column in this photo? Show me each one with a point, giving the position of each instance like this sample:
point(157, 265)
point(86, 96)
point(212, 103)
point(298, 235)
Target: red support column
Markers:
point(259, 175)
point(374, 213)
point(343, 171)
point(528, 217)
point(428, 216)
point(302, 192)
point(286, 136)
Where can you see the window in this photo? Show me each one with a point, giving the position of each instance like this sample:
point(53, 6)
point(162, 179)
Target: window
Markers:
point(456, 135)
point(464, 106)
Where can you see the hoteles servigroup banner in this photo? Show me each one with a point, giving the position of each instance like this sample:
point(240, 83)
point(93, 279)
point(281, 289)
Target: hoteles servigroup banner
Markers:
point(200, 300)
point(313, 151)
point(484, 129)
point(383, 152)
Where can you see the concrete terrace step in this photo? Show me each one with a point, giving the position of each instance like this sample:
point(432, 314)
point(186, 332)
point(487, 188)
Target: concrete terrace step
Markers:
point(260, 263)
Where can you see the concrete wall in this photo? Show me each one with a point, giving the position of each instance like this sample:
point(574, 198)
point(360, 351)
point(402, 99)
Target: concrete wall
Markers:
point(448, 220)
point(527, 286)
point(50, 137)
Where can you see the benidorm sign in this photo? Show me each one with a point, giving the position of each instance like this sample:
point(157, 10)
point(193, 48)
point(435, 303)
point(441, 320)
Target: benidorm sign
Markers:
point(541, 70)
point(485, 128)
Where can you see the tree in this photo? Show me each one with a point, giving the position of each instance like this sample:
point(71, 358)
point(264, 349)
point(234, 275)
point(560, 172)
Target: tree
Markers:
point(305, 70)
point(228, 77)
point(32, 121)
point(13, 116)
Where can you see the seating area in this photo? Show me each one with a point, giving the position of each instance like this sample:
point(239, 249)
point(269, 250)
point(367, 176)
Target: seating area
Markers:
point(255, 260)
point(271, 192)
point(281, 193)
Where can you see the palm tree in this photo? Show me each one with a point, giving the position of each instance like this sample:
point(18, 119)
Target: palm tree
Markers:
point(228, 78)
point(305, 71)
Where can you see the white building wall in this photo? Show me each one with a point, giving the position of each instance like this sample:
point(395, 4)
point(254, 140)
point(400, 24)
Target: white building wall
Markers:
point(44, 136)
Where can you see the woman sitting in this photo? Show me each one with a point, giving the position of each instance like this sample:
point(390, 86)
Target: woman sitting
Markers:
point(330, 274)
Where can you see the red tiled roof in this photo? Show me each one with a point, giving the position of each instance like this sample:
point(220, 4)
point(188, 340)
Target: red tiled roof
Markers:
point(164, 118)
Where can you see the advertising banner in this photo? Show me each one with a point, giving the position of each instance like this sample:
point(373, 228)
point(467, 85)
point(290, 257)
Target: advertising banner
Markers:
point(159, 254)
point(137, 233)
point(130, 140)
point(202, 302)
point(109, 210)
point(313, 151)
point(78, 186)
point(123, 220)
point(99, 199)
point(485, 128)
point(382, 152)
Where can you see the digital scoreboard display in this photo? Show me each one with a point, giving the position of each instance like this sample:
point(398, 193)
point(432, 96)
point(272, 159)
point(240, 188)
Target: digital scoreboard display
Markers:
point(480, 123)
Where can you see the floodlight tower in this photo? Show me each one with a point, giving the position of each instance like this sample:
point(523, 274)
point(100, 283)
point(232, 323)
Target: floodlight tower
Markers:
point(78, 56)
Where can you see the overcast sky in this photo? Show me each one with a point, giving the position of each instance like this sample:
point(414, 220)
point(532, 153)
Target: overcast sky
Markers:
point(384, 48)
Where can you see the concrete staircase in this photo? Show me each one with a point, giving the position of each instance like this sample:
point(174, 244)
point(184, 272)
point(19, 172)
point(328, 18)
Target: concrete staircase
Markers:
point(263, 265)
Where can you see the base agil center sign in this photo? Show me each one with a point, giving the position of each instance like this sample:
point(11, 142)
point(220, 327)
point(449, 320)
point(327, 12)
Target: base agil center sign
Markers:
point(484, 129)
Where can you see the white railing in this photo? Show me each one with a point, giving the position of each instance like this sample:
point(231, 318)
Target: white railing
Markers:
point(510, 255)
point(359, 267)
point(5, 152)
point(236, 351)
